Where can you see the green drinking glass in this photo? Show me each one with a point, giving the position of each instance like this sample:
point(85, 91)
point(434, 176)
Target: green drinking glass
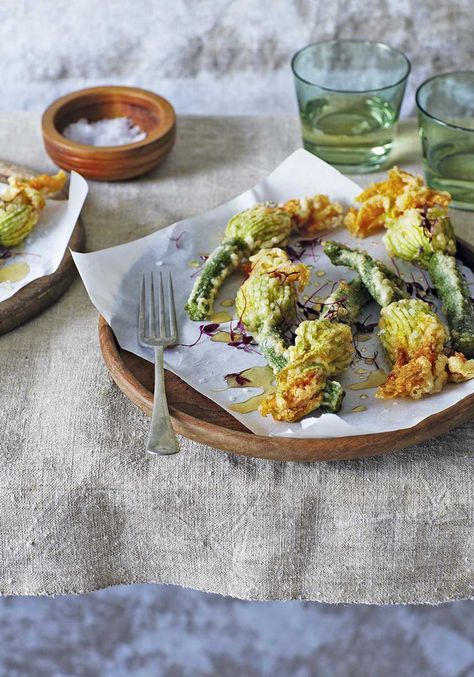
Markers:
point(445, 107)
point(349, 96)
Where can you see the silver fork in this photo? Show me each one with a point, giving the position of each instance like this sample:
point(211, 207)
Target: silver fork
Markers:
point(158, 334)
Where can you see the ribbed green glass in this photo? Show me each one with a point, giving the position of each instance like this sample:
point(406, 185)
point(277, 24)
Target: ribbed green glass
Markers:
point(445, 106)
point(349, 96)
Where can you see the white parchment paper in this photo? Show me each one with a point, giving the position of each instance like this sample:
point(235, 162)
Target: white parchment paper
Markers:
point(44, 249)
point(113, 276)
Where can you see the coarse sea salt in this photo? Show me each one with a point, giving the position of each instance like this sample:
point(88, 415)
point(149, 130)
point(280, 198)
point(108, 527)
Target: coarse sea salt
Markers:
point(107, 132)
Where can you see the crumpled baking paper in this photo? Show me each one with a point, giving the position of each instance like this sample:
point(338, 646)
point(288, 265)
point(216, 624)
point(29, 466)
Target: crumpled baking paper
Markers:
point(113, 277)
point(44, 249)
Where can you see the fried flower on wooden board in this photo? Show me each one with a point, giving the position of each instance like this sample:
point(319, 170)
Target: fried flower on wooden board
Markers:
point(322, 349)
point(389, 199)
point(21, 205)
point(415, 341)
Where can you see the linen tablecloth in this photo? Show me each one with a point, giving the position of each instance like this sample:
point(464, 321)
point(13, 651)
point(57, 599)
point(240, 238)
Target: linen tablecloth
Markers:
point(83, 507)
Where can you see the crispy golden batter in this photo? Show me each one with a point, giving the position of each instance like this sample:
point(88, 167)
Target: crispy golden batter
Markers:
point(369, 218)
point(21, 205)
point(389, 199)
point(276, 263)
point(299, 392)
point(459, 368)
point(33, 190)
point(396, 182)
point(44, 183)
point(316, 214)
point(422, 197)
point(322, 348)
point(415, 341)
point(414, 377)
point(268, 296)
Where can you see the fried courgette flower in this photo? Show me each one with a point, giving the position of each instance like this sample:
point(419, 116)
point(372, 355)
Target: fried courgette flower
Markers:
point(261, 227)
point(266, 302)
point(380, 281)
point(415, 341)
point(426, 237)
point(346, 301)
point(21, 205)
point(390, 198)
point(417, 233)
point(266, 305)
point(322, 349)
point(369, 218)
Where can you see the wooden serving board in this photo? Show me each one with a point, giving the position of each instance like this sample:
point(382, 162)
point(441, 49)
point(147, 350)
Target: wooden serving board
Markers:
point(202, 420)
point(40, 294)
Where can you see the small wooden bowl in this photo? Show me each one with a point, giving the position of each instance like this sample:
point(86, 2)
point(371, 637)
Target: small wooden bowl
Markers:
point(154, 114)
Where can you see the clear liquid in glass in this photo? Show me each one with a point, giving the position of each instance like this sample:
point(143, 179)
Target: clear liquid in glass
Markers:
point(449, 160)
point(353, 133)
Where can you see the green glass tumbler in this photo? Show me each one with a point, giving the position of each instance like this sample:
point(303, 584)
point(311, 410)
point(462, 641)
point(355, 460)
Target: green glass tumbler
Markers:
point(445, 107)
point(349, 96)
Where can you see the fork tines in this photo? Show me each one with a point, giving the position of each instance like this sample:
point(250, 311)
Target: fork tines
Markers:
point(153, 305)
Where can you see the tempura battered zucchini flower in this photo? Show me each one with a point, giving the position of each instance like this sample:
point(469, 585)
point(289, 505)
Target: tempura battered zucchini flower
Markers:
point(387, 199)
point(369, 218)
point(260, 227)
point(417, 234)
point(264, 226)
point(322, 348)
point(269, 295)
point(266, 302)
point(21, 205)
point(415, 340)
point(405, 191)
point(322, 344)
point(409, 325)
point(426, 237)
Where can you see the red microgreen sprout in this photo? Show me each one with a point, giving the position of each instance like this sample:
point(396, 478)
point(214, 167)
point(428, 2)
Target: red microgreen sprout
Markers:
point(238, 378)
point(204, 330)
point(203, 258)
point(304, 247)
point(178, 239)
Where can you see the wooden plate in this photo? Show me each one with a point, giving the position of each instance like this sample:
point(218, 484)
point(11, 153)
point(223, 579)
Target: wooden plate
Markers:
point(202, 420)
point(35, 297)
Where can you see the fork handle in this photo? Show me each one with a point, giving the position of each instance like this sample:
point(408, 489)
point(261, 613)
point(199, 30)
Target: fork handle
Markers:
point(161, 439)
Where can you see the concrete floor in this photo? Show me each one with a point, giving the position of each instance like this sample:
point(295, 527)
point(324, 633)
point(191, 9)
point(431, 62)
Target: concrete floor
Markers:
point(149, 630)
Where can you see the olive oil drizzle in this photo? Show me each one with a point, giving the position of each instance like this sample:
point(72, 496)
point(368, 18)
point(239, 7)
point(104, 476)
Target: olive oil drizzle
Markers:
point(255, 377)
point(15, 272)
point(375, 379)
point(221, 317)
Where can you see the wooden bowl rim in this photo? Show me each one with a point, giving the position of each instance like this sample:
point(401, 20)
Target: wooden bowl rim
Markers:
point(157, 136)
point(280, 448)
point(139, 154)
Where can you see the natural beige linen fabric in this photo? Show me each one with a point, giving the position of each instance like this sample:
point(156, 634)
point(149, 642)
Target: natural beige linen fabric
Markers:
point(82, 506)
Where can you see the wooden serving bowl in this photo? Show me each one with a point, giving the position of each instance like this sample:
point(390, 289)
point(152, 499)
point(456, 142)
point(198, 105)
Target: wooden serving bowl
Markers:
point(154, 114)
